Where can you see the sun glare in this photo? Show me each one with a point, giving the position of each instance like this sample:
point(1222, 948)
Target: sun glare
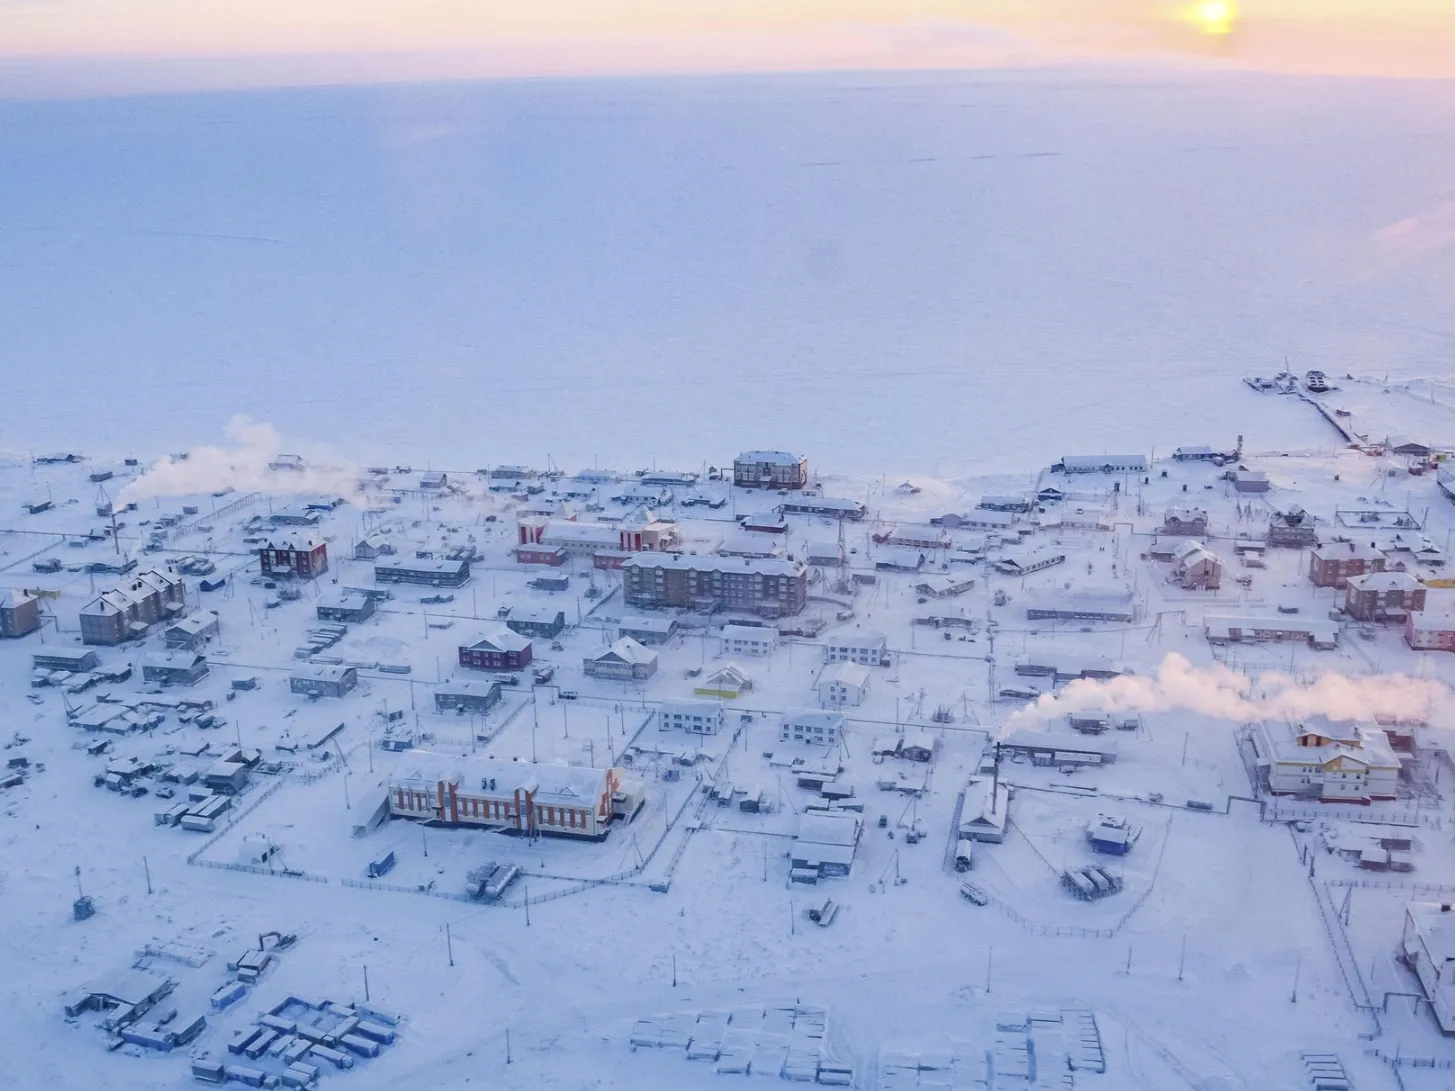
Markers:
point(1214, 17)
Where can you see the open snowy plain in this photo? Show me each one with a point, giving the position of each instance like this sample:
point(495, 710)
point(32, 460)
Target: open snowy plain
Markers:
point(932, 286)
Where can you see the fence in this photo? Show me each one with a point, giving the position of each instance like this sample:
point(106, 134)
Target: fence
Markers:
point(1394, 884)
point(1278, 812)
point(234, 817)
point(1343, 953)
point(394, 888)
point(254, 869)
point(1050, 929)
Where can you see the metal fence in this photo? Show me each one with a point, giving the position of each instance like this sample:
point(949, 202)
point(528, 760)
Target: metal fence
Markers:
point(254, 869)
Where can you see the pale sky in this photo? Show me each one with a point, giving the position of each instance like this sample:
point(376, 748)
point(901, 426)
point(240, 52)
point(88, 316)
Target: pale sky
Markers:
point(286, 41)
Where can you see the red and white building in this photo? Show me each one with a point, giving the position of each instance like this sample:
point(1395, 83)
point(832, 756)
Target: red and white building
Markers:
point(1433, 628)
point(524, 797)
point(641, 532)
point(293, 559)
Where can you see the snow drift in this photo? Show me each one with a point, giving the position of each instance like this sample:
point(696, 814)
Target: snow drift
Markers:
point(1219, 691)
point(247, 466)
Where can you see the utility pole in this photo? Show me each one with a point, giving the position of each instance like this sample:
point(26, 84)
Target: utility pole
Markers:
point(449, 946)
point(366, 983)
point(1182, 958)
point(1297, 966)
point(148, 870)
point(527, 905)
point(989, 964)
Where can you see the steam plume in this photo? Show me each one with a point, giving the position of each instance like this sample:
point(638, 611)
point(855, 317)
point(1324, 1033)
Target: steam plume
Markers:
point(243, 467)
point(1219, 691)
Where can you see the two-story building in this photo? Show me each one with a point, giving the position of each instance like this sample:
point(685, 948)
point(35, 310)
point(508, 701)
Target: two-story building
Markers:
point(1331, 564)
point(770, 470)
point(1383, 596)
point(497, 648)
point(1332, 760)
point(623, 660)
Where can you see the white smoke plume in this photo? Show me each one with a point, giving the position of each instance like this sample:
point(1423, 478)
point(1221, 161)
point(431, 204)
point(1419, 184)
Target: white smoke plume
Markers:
point(1219, 691)
point(244, 467)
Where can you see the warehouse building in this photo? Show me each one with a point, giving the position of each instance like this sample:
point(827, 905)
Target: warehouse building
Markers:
point(422, 570)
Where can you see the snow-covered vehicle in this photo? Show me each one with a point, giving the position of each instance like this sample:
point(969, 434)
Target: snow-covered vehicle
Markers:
point(973, 894)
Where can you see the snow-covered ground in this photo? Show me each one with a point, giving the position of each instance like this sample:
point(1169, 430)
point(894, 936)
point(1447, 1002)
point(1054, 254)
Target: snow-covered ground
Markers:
point(1188, 971)
point(930, 273)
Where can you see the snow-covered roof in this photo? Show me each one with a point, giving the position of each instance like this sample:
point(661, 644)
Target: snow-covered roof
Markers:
point(624, 650)
point(766, 566)
point(776, 458)
point(500, 639)
point(848, 674)
point(821, 828)
point(1384, 581)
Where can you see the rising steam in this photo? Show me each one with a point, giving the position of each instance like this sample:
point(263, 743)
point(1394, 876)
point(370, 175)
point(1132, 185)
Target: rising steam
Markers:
point(1219, 691)
point(243, 467)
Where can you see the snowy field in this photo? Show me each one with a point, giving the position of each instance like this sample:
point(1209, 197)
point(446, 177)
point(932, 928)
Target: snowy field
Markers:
point(685, 916)
point(910, 273)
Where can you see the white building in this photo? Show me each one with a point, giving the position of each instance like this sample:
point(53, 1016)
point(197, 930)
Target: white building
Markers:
point(1428, 949)
point(985, 811)
point(824, 845)
point(1334, 760)
point(749, 640)
point(870, 649)
point(814, 727)
point(1109, 464)
point(843, 684)
point(696, 717)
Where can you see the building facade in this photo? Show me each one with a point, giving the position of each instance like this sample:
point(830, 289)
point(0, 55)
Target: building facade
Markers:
point(1331, 565)
point(126, 612)
point(843, 684)
point(467, 696)
point(422, 570)
point(293, 559)
point(19, 613)
point(1332, 760)
point(323, 681)
point(524, 797)
point(1433, 628)
point(690, 715)
point(870, 649)
point(498, 648)
point(770, 588)
point(624, 660)
point(812, 727)
point(770, 470)
point(1383, 596)
point(757, 640)
point(543, 622)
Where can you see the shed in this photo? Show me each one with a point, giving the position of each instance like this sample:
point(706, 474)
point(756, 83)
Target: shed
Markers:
point(323, 680)
point(347, 607)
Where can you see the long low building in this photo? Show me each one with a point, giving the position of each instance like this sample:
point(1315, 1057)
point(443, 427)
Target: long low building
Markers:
point(530, 798)
point(1060, 748)
point(1316, 632)
point(829, 506)
point(428, 571)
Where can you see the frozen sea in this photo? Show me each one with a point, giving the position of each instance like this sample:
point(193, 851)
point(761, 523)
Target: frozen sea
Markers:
point(931, 273)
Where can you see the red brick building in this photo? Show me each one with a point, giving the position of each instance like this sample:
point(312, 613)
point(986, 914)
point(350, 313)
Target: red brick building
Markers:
point(1383, 596)
point(1331, 565)
point(293, 559)
point(497, 649)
